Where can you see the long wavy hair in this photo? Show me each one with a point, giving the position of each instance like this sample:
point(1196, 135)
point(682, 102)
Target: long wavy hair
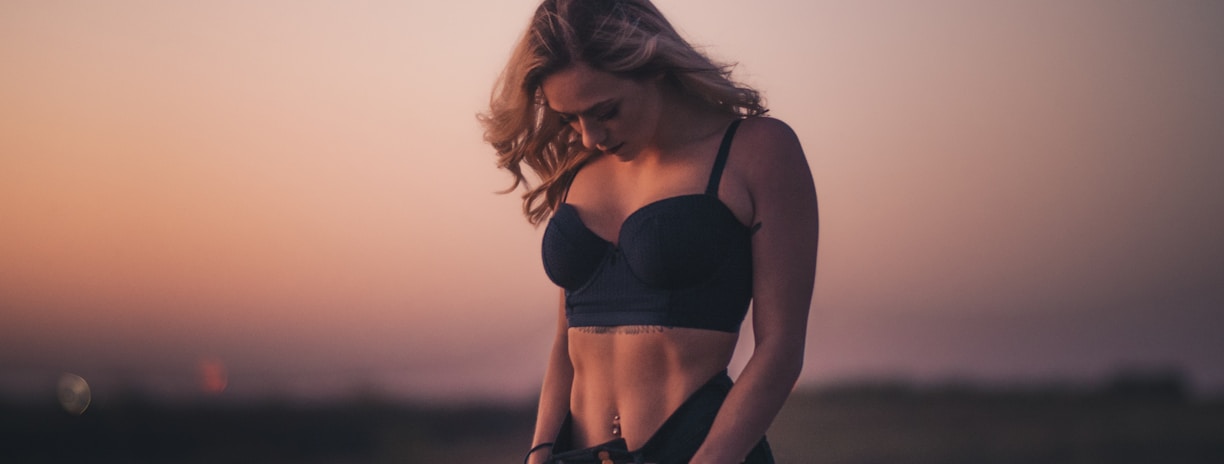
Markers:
point(627, 38)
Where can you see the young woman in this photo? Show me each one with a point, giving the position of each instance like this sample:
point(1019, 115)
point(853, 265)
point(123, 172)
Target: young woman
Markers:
point(671, 203)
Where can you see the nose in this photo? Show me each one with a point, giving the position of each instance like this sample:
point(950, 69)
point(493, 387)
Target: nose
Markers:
point(593, 135)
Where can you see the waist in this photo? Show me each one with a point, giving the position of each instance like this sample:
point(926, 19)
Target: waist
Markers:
point(641, 375)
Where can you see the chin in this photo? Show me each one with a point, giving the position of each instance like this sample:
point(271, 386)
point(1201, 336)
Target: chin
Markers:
point(622, 153)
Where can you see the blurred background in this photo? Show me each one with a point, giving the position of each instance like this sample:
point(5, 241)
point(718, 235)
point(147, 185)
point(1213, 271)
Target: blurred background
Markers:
point(220, 219)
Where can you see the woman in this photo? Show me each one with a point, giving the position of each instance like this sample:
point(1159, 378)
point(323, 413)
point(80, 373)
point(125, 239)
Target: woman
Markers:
point(671, 202)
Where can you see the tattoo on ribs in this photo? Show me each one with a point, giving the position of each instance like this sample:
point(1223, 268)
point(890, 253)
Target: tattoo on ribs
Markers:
point(623, 329)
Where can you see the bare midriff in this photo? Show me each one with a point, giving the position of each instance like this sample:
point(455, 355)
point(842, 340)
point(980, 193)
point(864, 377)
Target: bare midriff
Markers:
point(628, 380)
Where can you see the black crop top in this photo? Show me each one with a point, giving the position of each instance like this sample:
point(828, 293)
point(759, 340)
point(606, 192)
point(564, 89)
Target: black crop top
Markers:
point(683, 261)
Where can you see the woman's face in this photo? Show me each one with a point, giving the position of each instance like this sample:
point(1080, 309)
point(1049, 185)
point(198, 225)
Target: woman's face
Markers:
point(613, 114)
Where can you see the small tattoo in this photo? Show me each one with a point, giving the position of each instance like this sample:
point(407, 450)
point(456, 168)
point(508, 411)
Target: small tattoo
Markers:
point(623, 329)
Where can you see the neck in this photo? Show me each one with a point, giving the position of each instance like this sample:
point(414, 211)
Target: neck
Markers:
point(683, 120)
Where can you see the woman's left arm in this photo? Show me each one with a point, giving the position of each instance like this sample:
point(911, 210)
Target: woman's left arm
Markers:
point(783, 195)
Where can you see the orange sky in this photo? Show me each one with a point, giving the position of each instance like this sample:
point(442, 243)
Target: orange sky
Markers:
point(1010, 190)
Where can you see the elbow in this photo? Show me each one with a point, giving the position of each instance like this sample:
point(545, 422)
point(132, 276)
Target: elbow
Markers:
point(784, 361)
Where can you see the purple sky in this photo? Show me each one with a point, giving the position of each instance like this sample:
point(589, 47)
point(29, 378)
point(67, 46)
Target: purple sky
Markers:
point(1010, 191)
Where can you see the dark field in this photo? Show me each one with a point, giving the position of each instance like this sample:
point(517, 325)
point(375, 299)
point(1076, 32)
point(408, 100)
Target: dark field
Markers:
point(858, 425)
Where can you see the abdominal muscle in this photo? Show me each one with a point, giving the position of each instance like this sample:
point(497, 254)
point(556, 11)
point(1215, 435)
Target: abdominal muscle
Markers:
point(641, 374)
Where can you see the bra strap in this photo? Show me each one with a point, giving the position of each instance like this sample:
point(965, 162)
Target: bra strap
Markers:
point(721, 161)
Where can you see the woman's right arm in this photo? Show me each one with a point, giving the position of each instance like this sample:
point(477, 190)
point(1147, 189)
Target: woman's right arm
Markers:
point(555, 395)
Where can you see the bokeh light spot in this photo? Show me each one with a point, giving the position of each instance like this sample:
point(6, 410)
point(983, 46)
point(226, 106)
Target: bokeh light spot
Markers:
point(213, 376)
point(73, 393)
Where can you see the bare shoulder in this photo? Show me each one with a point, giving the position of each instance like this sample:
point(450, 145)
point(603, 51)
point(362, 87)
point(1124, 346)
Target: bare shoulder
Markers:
point(772, 172)
point(769, 146)
point(765, 126)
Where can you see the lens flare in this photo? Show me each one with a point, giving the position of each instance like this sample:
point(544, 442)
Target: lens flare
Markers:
point(73, 393)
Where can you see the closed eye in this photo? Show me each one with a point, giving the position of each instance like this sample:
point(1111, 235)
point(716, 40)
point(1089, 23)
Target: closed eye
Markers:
point(602, 111)
point(611, 113)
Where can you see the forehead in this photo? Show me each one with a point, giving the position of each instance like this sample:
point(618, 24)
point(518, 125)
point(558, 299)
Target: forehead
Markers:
point(578, 87)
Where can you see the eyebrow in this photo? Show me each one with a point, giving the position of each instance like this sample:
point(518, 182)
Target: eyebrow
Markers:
point(591, 110)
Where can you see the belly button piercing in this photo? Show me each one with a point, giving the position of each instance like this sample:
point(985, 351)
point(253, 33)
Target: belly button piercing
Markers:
point(616, 429)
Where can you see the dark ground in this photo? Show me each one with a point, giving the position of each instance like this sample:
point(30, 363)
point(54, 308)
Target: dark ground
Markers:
point(1125, 422)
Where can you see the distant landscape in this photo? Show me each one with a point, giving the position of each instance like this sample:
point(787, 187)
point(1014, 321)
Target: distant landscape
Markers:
point(1130, 419)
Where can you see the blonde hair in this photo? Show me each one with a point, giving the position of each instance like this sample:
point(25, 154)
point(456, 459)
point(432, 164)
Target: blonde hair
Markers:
point(628, 38)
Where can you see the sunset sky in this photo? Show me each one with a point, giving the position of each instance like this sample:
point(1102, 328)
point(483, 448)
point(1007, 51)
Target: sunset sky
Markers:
point(296, 192)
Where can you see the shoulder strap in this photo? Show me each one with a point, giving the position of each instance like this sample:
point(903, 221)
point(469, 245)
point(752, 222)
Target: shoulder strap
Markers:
point(721, 161)
point(568, 179)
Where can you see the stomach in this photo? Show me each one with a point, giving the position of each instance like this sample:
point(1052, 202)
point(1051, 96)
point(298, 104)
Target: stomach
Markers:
point(628, 380)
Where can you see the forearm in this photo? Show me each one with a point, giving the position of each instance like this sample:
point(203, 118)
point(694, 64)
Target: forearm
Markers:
point(554, 397)
point(752, 404)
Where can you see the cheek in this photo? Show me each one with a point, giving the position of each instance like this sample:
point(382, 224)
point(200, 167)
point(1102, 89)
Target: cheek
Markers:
point(642, 118)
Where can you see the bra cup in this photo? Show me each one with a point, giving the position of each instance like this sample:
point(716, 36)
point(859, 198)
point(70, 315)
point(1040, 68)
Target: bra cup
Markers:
point(682, 261)
point(571, 252)
point(671, 251)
